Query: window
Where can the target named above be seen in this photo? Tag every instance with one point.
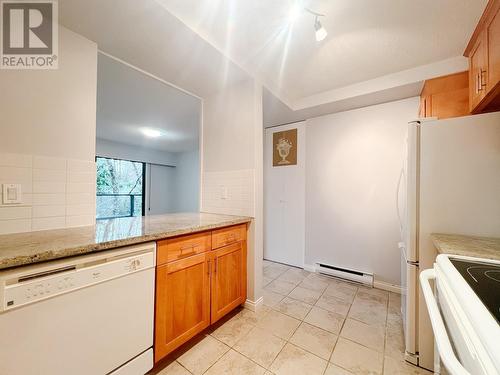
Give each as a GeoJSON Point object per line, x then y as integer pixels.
{"type": "Point", "coordinates": [120, 188]}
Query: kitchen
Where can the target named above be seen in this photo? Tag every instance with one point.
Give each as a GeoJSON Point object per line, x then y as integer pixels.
{"type": "Point", "coordinates": [272, 214]}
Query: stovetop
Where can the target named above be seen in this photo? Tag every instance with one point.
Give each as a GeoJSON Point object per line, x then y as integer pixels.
{"type": "Point", "coordinates": [484, 279]}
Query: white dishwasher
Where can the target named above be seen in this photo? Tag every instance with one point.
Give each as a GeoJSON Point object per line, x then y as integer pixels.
{"type": "Point", "coordinates": [88, 315]}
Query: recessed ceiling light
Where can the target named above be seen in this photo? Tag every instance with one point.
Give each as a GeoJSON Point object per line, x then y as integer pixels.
{"type": "Point", "coordinates": [151, 133]}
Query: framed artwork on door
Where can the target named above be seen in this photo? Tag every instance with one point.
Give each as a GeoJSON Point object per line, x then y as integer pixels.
{"type": "Point", "coordinates": [285, 148]}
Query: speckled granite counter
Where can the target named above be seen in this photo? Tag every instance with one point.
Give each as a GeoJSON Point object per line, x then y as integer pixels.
{"type": "Point", "coordinates": [480, 247]}
{"type": "Point", "coordinates": [33, 247]}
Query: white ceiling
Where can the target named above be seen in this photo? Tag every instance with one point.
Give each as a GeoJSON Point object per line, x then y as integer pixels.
{"type": "Point", "coordinates": [128, 100]}
{"type": "Point", "coordinates": [367, 38]}
{"type": "Point", "coordinates": [144, 34]}
{"type": "Point", "coordinates": [376, 50]}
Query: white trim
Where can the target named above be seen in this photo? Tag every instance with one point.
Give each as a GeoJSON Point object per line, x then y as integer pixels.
{"type": "Point", "coordinates": [389, 81]}
{"type": "Point", "coordinates": [201, 150]}
{"type": "Point", "coordinates": [387, 286]}
{"type": "Point", "coordinates": [149, 74]}
{"type": "Point", "coordinates": [254, 305]}
{"type": "Point", "coordinates": [310, 267]}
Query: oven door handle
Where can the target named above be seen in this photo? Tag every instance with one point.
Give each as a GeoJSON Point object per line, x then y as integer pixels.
{"type": "Point", "coordinates": [445, 349]}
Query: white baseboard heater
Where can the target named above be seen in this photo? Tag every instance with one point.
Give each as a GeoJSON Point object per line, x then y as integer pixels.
{"type": "Point", "coordinates": [345, 273]}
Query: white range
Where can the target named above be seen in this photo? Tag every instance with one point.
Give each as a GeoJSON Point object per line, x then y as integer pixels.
{"type": "Point", "coordinates": [464, 309]}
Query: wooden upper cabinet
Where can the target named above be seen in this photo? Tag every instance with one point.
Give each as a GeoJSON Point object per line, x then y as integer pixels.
{"type": "Point", "coordinates": [182, 302]}
{"type": "Point", "coordinates": [493, 40]}
{"type": "Point", "coordinates": [446, 96]}
{"type": "Point", "coordinates": [228, 279]}
{"type": "Point", "coordinates": [477, 73]}
{"type": "Point", "coordinates": [483, 52]}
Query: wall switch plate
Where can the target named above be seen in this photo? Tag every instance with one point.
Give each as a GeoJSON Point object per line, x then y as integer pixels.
{"type": "Point", "coordinates": [12, 194]}
{"type": "Point", "coordinates": [223, 192]}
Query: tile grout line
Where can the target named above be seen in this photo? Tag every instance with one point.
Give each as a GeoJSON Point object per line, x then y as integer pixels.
{"type": "Point", "coordinates": [301, 321]}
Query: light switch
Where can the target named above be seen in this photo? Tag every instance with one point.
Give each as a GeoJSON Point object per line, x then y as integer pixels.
{"type": "Point", "coordinates": [12, 194]}
{"type": "Point", "coordinates": [223, 192]}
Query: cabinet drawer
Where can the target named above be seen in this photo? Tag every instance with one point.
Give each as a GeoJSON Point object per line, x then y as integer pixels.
{"type": "Point", "coordinates": [226, 236]}
{"type": "Point", "coordinates": [184, 246]}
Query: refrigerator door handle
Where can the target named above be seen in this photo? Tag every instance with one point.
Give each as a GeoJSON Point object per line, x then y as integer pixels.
{"type": "Point", "coordinates": [443, 343]}
{"type": "Point", "coordinates": [401, 175]}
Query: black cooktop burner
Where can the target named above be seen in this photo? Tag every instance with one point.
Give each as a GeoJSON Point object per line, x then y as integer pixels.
{"type": "Point", "coordinates": [484, 279]}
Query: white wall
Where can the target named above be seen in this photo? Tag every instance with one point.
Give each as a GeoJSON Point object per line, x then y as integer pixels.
{"type": "Point", "coordinates": [52, 112]}
{"type": "Point", "coordinates": [117, 150]}
{"type": "Point", "coordinates": [353, 163]}
{"type": "Point", "coordinates": [188, 181]}
{"type": "Point", "coordinates": [47, 142]}
{"type": "Point", "coordinates": [174, 189]}
{"type": "Point", "coordinates": [232, 164]}
{"type": "Point", "coordinates": [161, 193]}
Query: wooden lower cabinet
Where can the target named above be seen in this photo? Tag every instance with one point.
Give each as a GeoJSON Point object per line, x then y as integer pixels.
{"type": "Point", "coordinates": [182, 302]}
{"type": "Point", "coordinates": [195, 291]}
{"type": "Point", "coordinates": [228, 279]}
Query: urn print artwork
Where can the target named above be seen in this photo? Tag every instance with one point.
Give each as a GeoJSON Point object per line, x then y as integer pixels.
{"type": "Point", "coordinates": [285, 148]}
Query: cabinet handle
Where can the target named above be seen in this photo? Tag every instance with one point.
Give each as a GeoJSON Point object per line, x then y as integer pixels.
{"type": "Point", "coordinates": [215, 265]}
{"type": "Point", "coordinates": [192, 252]}
{"type": "Point", "coordinates": [482, 73]}
{"type": "Point", "coordinates": [480, 85]}
{"type": "Point", "coordinates": [191, 246]}
{"type": "Point", "coordinates": [209, 266]}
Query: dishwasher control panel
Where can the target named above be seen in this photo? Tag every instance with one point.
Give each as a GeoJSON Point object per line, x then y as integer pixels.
{"type": "Point", "coordinates": [38, 286]}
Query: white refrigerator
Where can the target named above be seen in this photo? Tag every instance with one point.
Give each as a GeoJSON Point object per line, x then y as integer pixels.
{"type": "Point", "coordinates": [450, 183]}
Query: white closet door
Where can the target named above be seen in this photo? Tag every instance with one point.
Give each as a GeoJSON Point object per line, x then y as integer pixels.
{"type": "Point", "coordinates": [284, 202]}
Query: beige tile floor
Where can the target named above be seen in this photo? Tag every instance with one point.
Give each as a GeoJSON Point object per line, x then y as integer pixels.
{"type": "Point", "coordinates": [309, 324]}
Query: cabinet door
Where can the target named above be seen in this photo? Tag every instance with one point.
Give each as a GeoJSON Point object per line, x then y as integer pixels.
{"type": "Point", "coordinates": [228, 279]}
{"type": "Point", "coordinates": [477, 72]}
{"type": "Point", "coordinates": [493, 35]}
{"type": "Point", "coordinates": [425, 106]}
{"type": "Point", "coordinates": [182, 302]}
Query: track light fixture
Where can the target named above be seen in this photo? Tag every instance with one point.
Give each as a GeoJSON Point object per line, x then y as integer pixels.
{"type": "Point", "coordinates": [321, 32]}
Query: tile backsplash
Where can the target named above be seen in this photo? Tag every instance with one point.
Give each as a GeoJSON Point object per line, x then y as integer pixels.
{"type": "Point", "coordinates": [229, 192]}
{"type": "Point", "coordinates": [57, 193]}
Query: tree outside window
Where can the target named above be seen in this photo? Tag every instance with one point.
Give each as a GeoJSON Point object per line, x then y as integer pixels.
{"type": "Point", "coordinates": [120, 188]}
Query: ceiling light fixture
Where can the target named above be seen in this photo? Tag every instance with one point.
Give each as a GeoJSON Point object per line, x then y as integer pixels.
{"type": "Point", "coordinates": [321, 32]}
{"type": "Point", "coordinates": [151, 133]}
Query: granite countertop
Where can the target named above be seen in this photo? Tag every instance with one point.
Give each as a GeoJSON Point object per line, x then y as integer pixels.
{"type": "Point", "coordinates": [33, 247]}
{"type": "Point", "coordinates": [456, 244]}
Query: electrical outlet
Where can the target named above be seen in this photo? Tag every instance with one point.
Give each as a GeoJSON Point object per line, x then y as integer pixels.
{"type": "Point", "coordinates": [12, 194]}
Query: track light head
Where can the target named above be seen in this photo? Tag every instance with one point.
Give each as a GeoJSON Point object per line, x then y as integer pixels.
{"type": "Point", "coordinates": [321, 32]}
